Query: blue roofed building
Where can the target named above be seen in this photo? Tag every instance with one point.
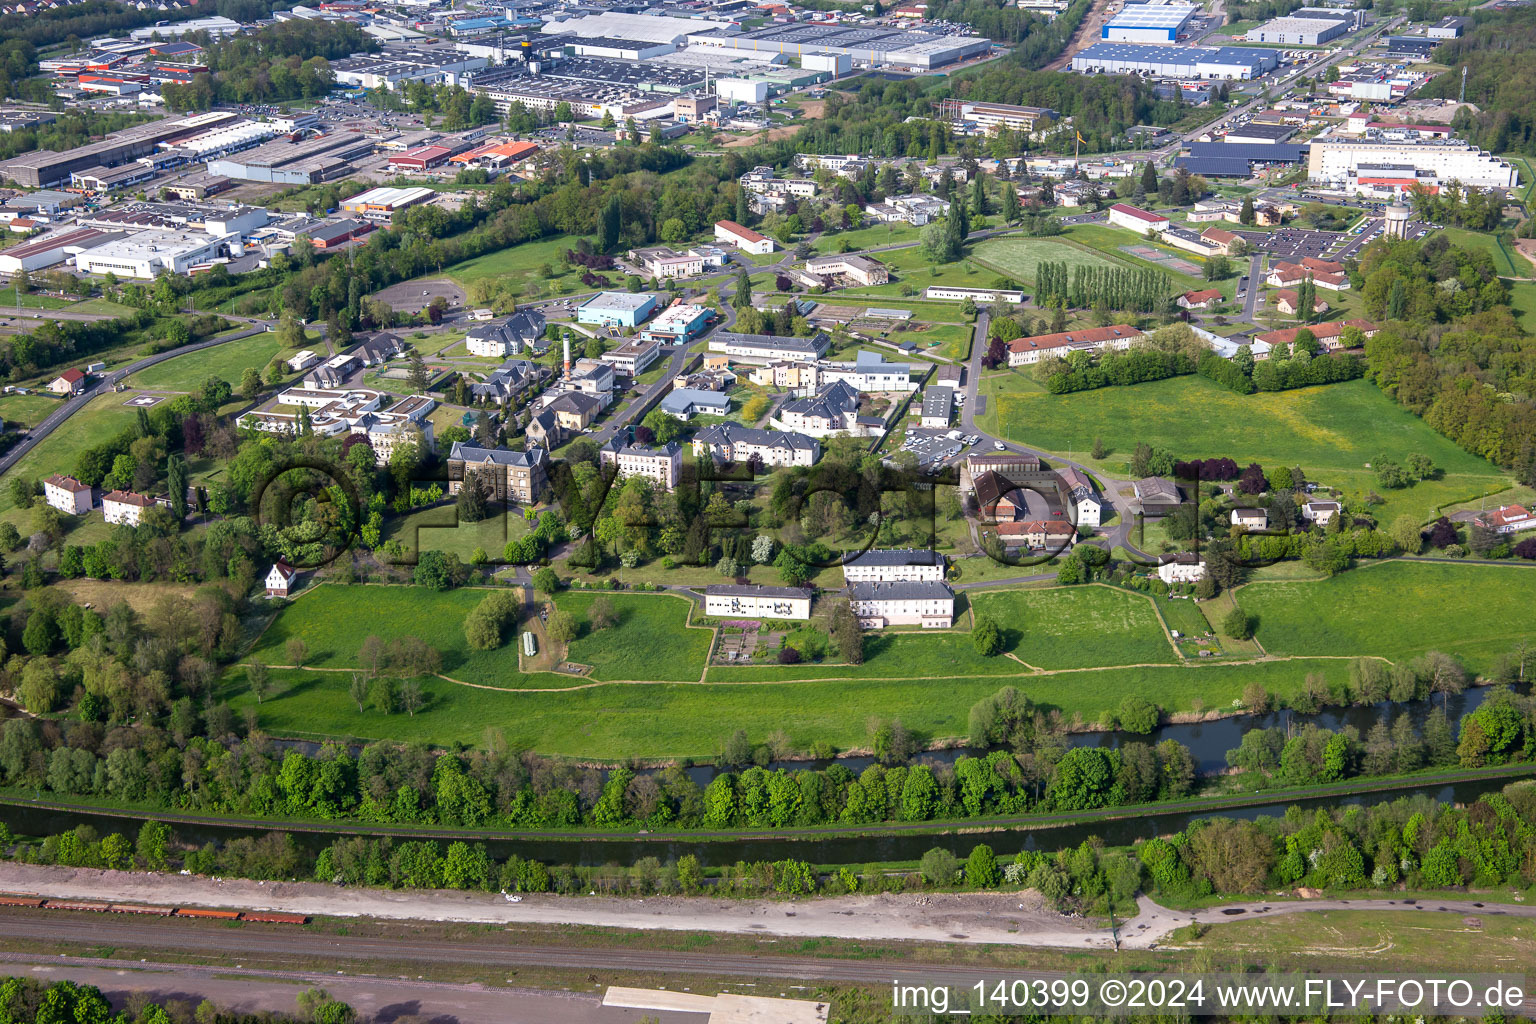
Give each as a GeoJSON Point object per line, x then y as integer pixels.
{"type": "Point", "coordinates": [1202, 62]}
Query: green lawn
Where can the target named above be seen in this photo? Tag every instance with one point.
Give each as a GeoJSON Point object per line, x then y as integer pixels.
{"type": "Point", "coordinates": [27, 410]}
{"type": "Point", "coordinates": [1018, 257]}
{"type": "Point", "coordinates": [651, 640]}
{"type": "Point", "coordinates": [56, 453]}
{"type": "Point", "coordinates": [439, 529]}
{"type": "Point", "coordinates": [868, 238]}
{"type": "Point", "coordinates": [1507, 262]}
{"type": "Point", "coordinates": [1332, 432]}
{"type": "Point", "coordinates": [1077, 627]}
{"type": "Point", "coordinates": [1397, 610]}
{"type": "Point", "coordinates": [1523, 301]}
{"type": "Point", "coordinates": [518, 267]}
{"type": "Point", "coordinates": [952, 341]}
{"type": "Point", "coordinates": [334, 620]}
{"type": "Point", "coordinates": [106, 306]}
{"type": "Point", "coordinates": [227, 362]}
{"type": "Point", "coordinates": [31, 300]}
{"type": "Point", "coordinates": [618, 722]}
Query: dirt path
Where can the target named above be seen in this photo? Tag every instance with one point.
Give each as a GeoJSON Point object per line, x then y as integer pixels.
{"type": "Point", "coordinates": [1086, 34]}
{"type": "Point", "coordinates": [1017, 918]}
{"type": "Point", "coordinates": [1527, 248]}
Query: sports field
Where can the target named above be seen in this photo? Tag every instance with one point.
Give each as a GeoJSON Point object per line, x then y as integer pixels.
{"type": "Point", "coordinates": [1018, 257]}
{"type": "Point", "coordinates": [1397, 610]}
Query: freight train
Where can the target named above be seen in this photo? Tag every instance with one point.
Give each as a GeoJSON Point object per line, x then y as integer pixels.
{"type": "Point", "coordinates": [262, 916]}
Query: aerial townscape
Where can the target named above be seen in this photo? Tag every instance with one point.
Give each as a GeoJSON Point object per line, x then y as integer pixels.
{"type": "Point", "coordinates": [766, 511]}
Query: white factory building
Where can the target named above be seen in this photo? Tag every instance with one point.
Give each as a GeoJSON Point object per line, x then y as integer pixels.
{"type": "Point", "coordinates": [1148, 23]}
{"type": "Point", "coordinates": [145, 254]}
{"type": "Point", "coordinates": [1224, 62]}
{"type": "Point", "coordinates": [1339, 161]}
{"type": "Point", "coordinates": [1298, 30]}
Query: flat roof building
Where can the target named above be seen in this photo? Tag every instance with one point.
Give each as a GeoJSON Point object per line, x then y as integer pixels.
{"type": "Point", "coordinates": [1148, 23]}
{"type": "Point", "coordinates": [623, 309]}
{"type": "Point", "coordinates": [1224, 62]}
{"type": "Point", "coordinates": [146, 254]}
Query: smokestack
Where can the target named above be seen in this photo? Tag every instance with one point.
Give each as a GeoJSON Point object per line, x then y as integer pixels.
{"type": "Point", "coordinates": [567, 354]}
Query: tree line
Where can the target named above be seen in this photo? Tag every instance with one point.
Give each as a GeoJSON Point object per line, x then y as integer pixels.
{"type": "Point", "coordinates": [1083, 286]}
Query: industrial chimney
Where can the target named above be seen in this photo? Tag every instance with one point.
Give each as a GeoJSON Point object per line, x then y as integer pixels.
{"type": "Point", "coordinates": [567, 355]}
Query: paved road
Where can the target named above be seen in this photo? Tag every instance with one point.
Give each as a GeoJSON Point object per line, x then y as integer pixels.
{"type": "Point", "coordinates": [680, 356]}
{"type": "Point", "coordinates": [1118, 535]}
{"type": "Point", "coordinates": [1255, 283]}
{"type": "Point", "coordinates": [56, 419]}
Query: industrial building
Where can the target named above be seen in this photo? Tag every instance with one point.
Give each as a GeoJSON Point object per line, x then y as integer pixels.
{"type": "Point", "coordinates": [1428, 162]}
{"type": "Point", "coordinates": [296, 163]}
{"type": "Point", "coordinates": [1224, 62]}
{"type": "Point", "coordinates": [1411, 47]}
{"type": "Point", "coordinates": [380, 204]}
{"type": "Point", "coordinates": [146, 254]}
{"type": "Point", "coordinates": [1148, 23]}
{"type": "Point", "coordinates": [1307, 26]}
{"type": "Point", "coordinates": [1238, 160]}
{"type": "Point", "coordinates": [1448, 28]}
{"type": "Point", "coordinates": [394, 65]}
{"type": "Point", "coordinates": [872, 46]}
{"type": "Point", "coordinates": [48, 250]}
{"type": "Point", "coordinates": [622, 309]}
{"type": "Point", "coordinates": [217, 26]}
{"type": "Point", "coordinates": [990, 117]}
{"type": "Point", "coordinates": [42, 168]}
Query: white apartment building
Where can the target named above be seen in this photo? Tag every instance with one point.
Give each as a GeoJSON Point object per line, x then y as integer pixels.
{"type": "Point", "coordinates": [926, 603]}
{"type": "Point", "coordinates": [892, 565]}
{"type": "Point", "coordinates": [766, 348]}
{"type": "Point", "coordinates": [124, 507]}
{"type": "Point", "coordinates": [732, 600]}
{"type": "Point", "coordinates": [730, 442]}
{"type": "Point", "coordinates": [939, 291]}
{"type": "Point", "coordinates": [1027, 351]}
{"type": "Point", "coordinates": [67, 494]}
{"type": "Point", "coordinates": [633, 357]}
{"type": "Point", "coordinates": [662, 465]}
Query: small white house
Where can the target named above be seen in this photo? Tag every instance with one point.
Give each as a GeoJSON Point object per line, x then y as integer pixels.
{"type": "Point", "coordinates": [1320, 512]}
{"type": "Point", "coordinates": [70, 382]}
{"type": "Point", "coordinates": [756, 602]}
{"type": "Point", "coordinates": [1181, 569]}
{"type": "Point", "coordinates": [67, 494]}
{"type": "Point", "coordinates": [1250, 518]}
{"type": "Point", "coordinates": [280, 579]}
{"type": "Point", "coordinates": [303, 361]}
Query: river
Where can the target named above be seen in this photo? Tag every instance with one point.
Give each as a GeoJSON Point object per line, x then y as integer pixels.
{"type": "Point", "coordinates": [892, 846]}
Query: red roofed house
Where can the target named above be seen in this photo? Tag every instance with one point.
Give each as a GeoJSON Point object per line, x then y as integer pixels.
{"type": "Point", "coordinates": [1139, 221]}
{"type": "Point", "coordinates": [1025, 351]}
{"type": "Point", "coordinates": [70, 382]}
{"type": "Point", "coordinates": [280, 579]}
{"type": "Point", "coordinates": [1052, 534]}
{"type": "Point", "coordinates": [1508, 519]}
{"type": "Point", "coordinates": [67, 494]}
{"type": "Point", "coordinates": [1288, 302]}
{"type": "Point", "coordinates": [1200, 300]}
{"type": "Point", "coordinates": [1329, 336]}
{"type": "Point", "coordinates": [744, 239]}
{"type": "Point", "coordinates": [1221, 238]}
{"type": "Point", "coordinates": [1323, 273]}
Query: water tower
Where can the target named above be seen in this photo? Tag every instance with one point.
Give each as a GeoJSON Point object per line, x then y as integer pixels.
{"type": "Point", "coordinates": [1397, 221]}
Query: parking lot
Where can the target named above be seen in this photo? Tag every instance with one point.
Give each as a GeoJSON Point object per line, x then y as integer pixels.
{"type": "Point", "coordinates": [1293, 244]}
{"type": "Point", "coordinates": [937, 448]}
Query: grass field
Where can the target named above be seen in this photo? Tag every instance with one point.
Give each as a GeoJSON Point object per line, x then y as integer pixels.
{"type": "Point", "coordinates": [1506, 261]}
{"type": "Point", "coordinates": [868, 238]}
{"type": "Point", "coordinates": [106, 306]}
{"type": "Point", "coordinates": [1523, 301]}
{"type": "Point", "coordinates": [334, 620]}
{"type": "Point", "coordinates": [1397, 610]}
{"type": "Point", "coordinates": [651, 640]}
{"type": "Point", "coordinates": [618, 722]}
{"type": "Point", "coordinates": [31, 300]}
{"type": "Point", "coordinates": [227, 362]}
{"type": "Point", "coordinates": [1332, 432]}
{"type": "Point", "coordinates": [27, 410]}
{"type": "Point", "coordinates": [439, 529]}
{"type": "Point", "coordinates": [519, 267]}
{"type": "Point", "coordinates": [1073, 627]}
{"type": "Point", "coordinates": [57, 452]}
{"type": "Point", "coordinates": [1018, 257]}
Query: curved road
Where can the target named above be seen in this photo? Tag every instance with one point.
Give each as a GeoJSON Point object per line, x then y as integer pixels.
{"type": "Point", "coordinates": [56, 419]}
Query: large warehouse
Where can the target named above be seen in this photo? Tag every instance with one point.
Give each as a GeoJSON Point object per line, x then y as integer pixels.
{"type": "Point", "coordinates": [295, 163]}
{"type": "Point", "coordinates": [44, 167]}
{"type": "Point", "coordinates": [871, 45]}
{"type": "Point", "coordinates": [146, 254]}
{"type": "Point", "coordinates": [1232, 62]}
{"type": "Point", "coordinates": [1430, 162]}
{"type": "Point", "coordinates": [1238, 160]}
{"type": "Point", "coordinates": [1148, 23]}
{"type": "Point", "coordinates": [1294, 31]}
